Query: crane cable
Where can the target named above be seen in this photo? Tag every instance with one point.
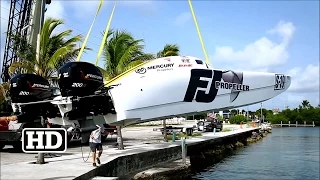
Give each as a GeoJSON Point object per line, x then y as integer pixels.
{"type": "Point", "coordinates": [87, 36]}
{"type": "Point", "coordinates": [199, 34]}
{"type": "Point", "coordinates": [105, 33]}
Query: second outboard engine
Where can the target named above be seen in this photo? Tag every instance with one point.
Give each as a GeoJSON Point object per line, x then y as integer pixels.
{"type": "Point", "coordinates": [84, 83]}
{"type": "Point", "coordinates": [29, 89]}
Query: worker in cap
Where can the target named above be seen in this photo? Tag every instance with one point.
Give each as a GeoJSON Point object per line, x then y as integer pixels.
{"type": "Point", "coordinates": [95, 143]}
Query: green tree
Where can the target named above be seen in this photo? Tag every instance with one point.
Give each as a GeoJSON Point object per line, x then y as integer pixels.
{"type": "Point", "coordinates": [55, 50]}
{"type": "Point", "coordinates": [237, 119]}
{"type": "Point", "coordinates": [233, 112]}
{"type": "Point", "coordinates": [169, 50]}
{"type": "Point", "coordinates": [4, 88]}
{"type": "Point", "coordinates": [220, 118]}
{"type": "Point", "coordinates": [122, 52]}
{"type": "Point", "coordinates": [305, 112]}
{"type": "Point", "coordinates": [305, 104]}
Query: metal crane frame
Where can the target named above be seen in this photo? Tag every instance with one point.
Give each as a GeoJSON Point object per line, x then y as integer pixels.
{"type": "Point", "coordinates": [19, 18]}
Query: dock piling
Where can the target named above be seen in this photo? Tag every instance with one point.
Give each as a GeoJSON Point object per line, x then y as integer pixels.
{"type": "Point", "coordinates": [183, 149]}
{"type": "Point", "coordinates": [173, 136]}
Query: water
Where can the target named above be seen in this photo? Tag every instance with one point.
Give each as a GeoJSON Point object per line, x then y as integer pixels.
{"type": "Point", "coordinates": [287, 153]}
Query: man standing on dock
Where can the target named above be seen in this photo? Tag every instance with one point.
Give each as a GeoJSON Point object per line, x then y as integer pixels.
{"type": "Point", "coordinates": [95, 143]}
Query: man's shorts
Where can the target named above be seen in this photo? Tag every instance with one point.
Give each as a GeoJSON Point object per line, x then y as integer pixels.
{"type": "Point", "coordinates": [95, 146]}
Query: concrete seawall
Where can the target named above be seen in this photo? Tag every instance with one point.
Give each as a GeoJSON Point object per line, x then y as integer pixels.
{"type": "Point", "coordinates": [124, 165]}
{"type": "Point", "coordinates": [120, 163]}
{"type": "Point", "coordinates": [133, 162]}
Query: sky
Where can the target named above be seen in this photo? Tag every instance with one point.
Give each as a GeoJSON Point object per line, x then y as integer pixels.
{"type": "Point", "coordinates": [264, 36]}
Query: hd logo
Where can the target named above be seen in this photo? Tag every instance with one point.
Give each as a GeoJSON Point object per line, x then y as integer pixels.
{"type": "Point", "coordinates": [44, 140]}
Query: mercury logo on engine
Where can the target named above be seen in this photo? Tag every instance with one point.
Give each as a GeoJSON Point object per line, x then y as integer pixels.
{"type": "Point", "coordinates": [93, 76]}
{"type": "Point", "coordinates": [40, 86]}
{"type": "Point", "coordinates": [214, 77]}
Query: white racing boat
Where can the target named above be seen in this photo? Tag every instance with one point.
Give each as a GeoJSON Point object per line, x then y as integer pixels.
{"type": "Point", "coordinates": [181, 85]}
{"type": "Point", "coordinates": [155, 90]}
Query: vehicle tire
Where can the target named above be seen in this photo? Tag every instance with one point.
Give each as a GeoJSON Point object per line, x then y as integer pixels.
{"type": "Point", "coordinates": [190, 132]}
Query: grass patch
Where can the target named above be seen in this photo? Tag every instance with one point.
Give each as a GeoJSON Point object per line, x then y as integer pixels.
{"type": "Point", "coordinates": [180, 135]}
{"type": "Point", "coordinates": [226, 130]}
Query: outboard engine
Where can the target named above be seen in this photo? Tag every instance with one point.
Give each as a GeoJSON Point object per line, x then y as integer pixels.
{"type": "Point", "coordinates": [29, 89]}
{"type": "Point", "coordinates": [84, 83]}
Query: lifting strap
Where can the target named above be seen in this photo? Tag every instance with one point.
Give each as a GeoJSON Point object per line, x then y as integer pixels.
{"type": "Point", "coordinates": [199, 34]}
{"type": "Point", "coordinates": [105, 33]}
{"type": "Point", "coordinates": [86, 39]}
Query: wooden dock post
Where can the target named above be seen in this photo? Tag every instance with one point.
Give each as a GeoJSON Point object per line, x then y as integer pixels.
{"type": "Point", "coordinates": [313, 123]}
{"type": "Point", "coordinates": [305, 123]}
{"type": "Point", "coordinates": [289, 124]}
{"type": "Point", "coordinates": [296, 123]}
{"type": "Point", "coordinates": [281, 123]}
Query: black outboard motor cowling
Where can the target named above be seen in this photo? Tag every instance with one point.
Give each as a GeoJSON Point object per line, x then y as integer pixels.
{"type": "Point", "coordinates": [79, 79]}
{"type": "Point", "coordinates": [82, 80]}
{"type": "Point", "coordinates": [29, 88]}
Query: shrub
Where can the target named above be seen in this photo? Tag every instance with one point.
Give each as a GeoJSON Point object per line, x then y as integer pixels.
{"type": "Point", "coordinates": [237, 119]}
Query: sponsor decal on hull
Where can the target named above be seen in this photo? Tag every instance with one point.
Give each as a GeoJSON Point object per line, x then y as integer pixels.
{"type": "Point", "coordinates": [231, 80]}
{"type": "Point", "coordinates": [158, 67]}
{"type": "Point", "coordinates": [185, 60]}
{"type": "Point", "coordinates": [279, 82]}
{"type": "Point", "coordinates": [185, 65]}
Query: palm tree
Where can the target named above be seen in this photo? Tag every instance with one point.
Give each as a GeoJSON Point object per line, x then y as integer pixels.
{"type": "Point", "coordinates": [169, 50]}
{"type": "Point", "coordinates": [55, 50]}
{"type": "Point", "coordinates": [4, 88]}
{"type": "Point", "coordinates": [122, 52]}
{"type": "Point", "coordinates": [305, 104]}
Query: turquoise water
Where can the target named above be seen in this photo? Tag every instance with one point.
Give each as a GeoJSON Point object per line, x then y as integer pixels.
{"type": "Point", "coordinates": [288, 153]}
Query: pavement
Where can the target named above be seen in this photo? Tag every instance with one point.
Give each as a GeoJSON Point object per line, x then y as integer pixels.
{"type": "Point", "coordinates": [72, 164]}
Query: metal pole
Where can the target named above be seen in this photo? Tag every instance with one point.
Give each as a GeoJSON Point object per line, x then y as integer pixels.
{"type": "Point", "coordinates": [261, 113]}
{"type": "Point", "coordinates": [183, 149]}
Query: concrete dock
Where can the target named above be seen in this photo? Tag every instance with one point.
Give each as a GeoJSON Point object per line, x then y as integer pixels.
{"type": "Point", "coordinates": [115, 163]}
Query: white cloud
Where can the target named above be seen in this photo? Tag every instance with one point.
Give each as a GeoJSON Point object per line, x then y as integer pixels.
{"type": "Point", "coordinates": [182, 18]}
{"type": "Point", "coordinates": [261, 54]}
{"type": "Point", "coordinates": [55, 10]}
{"type": "Point", "coordinates": [5, 7]}
{"type": "Point", "coordinates": [304, 80]}
{"type": "Point", "coordinates": [84, 9]}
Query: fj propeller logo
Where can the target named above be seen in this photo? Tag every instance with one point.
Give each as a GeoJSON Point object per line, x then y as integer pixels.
{"type": "Point", "coordinates": [228, 80]}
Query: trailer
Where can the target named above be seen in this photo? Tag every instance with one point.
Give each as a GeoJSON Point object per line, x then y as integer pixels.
{"type": "Point", "coordinates": [171, 129]}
